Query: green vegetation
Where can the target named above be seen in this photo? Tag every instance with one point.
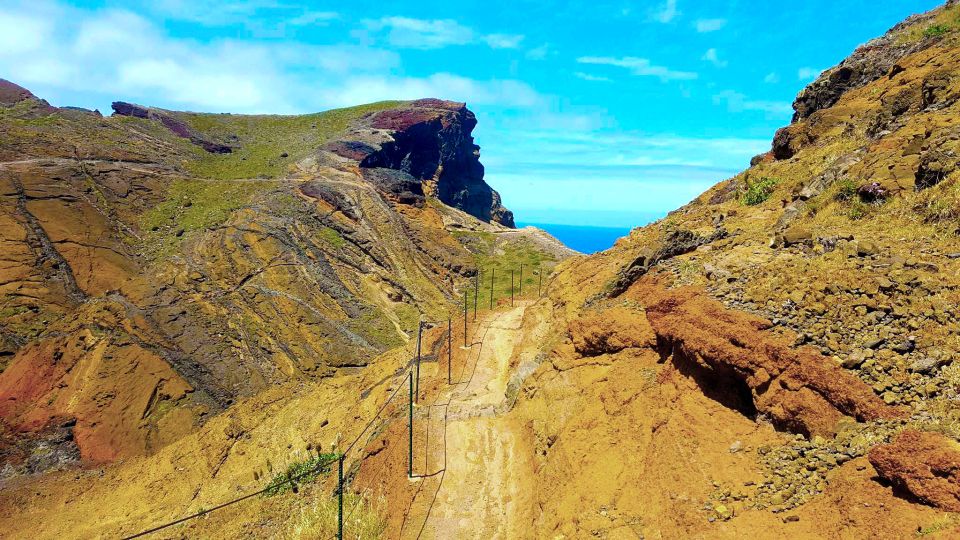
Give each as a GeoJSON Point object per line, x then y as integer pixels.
{"type": "Point", "coordinates": [758, 191]}
{"type": "Point", "coordinates": [318, 519]}
{"type": "Point", "coordinates": [266, 145]}
{"type": "Point", "coordinates": [191, 205]}
{"type": "Point", "coordinates": [846, 189]}
{"type": "Point", "coordinates": [300, 472]}
{"type": "Point", "coordinates": [332, 237]}
{"type": "Point", "coordinates": [945, 22]}
{"type": "Point", "coordinates": [936, 30]}
{"type": "Point", "coordinates": [858, 210]}
{"type": "Point", "coordinates": [496, 256]}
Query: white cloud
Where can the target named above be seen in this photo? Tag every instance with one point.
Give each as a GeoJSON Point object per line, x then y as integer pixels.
{"type": "Point", "coordinates": [666, 12]}
{"type": "Point", "coordinates": [711, 56]}
{"type": "Point", "coordinates": [772, 78]}
{"type": "Point", "coordinates": [737, 102]}
{"type": "Point", "coordinates": [366, 89]}
{"type": "Point", "coordinates": [503, 41]}
{"type": "Point", "coordinates": [710, 25]}
{"type": "Point", "coordinates": [640, 67]}
{"type": "Point", "coordinates": [21, 34]}
{"type": "Point", "coordinates": [112, 54]}
{"type": "Point", "coordinates": [410, 33]}
{"type": "Point", "coordinates": [539, 53]}
{"type": "Point", "coordinates": [315, 18]}
{"type": "Point", "coordinates": [808, 73]}
{"type": "Point", "coordinates": [589, 77]}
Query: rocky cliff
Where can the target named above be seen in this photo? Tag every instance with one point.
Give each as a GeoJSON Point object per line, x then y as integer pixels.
{"type": "Point", "coordinates": [160, 265]}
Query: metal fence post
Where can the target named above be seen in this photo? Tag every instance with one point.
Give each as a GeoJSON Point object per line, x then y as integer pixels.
{"type": "Point", "coordinates": [493, 273]}
{"type": "Point", "coordinates": [449, 349]}
{"type": "Point", "coordinates": [410, 431]}
{"type": "Point", "coordinates": [340, 502]}
{"type": "Point", "coordinates": [465, 318]}
{"type": "Point", "coordinates": [521, 279]}
{"type": "Point", "coordinates": [476, 294]}
{"type": "Point", "coordinates": [539, 283]}
{"type": "Point", "coordinates": [511, 288]}
{"type": "Point", "coordinates": [419, 335]}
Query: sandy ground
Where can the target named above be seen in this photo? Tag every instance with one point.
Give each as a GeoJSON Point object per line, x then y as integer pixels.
{"type": "Point", "coordinates": [474, 454]}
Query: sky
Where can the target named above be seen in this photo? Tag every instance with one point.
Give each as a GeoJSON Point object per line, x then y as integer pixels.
{"type": "Point", "coordinates": [603, 113]}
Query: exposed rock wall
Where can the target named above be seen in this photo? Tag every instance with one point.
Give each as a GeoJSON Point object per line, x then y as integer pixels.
{"type": "Point", "coordinates": [431, 142]}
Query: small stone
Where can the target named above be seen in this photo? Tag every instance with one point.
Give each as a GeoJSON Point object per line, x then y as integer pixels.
{"type": "Point", "coordinates": [793, 518]}
{"type": "Point", "coordinates": [736, 447]}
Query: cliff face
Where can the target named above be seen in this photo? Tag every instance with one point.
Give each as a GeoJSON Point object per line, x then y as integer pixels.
{"type": "Point", "coordinates": [431, 142]}
{"type": "Point", "coordinates": [161, 265]}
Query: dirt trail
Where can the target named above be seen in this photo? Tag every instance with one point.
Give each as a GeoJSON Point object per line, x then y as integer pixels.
{"type": "Point", "coordinates": [471, 485]}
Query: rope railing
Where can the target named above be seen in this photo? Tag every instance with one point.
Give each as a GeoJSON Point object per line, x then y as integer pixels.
{"type": "Point", "coordinates": [411, 369]}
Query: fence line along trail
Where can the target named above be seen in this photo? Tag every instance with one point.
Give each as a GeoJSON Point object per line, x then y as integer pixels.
{"type": "Point", "coordinates": [484, 455]}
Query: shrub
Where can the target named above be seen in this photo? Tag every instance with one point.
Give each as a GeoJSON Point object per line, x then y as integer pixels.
{"type": "Point", "coordinates": [300, 472]}
{"type": "Point", "coordinates": [936, 30]}
{"type": "Point", "coordinates": [846, 189]}
{"type": "Point", "coordinates": [759, 191]}
{"type": "Point", "coordinates": [857, 211]}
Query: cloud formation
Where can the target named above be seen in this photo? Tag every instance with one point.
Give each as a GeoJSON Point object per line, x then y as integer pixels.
{"type": "Point", "coordinates": [410, 33]}
{"type": "Point", "coordinates": [712, 57]}
{"type": "Point", "coordinates": [641, 67]}
{"type": "Point", "coordinates": [709, 25]}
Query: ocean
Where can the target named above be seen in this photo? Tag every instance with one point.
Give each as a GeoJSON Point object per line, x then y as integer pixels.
{"type": "Point", "coordinates": [584, 239]}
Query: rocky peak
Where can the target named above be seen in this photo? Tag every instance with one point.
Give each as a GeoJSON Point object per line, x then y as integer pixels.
{"type": "Point", "coordinates": [429, 143]}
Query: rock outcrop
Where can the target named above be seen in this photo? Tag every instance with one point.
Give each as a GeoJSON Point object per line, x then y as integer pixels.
{"type": "Point", "coordinates": [430, 141]}
{"type": "Point", "coordinates": [924, 465]}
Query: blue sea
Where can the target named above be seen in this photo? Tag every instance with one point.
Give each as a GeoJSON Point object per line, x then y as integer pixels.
{"type": "Point", "coordinates": [583, 238]}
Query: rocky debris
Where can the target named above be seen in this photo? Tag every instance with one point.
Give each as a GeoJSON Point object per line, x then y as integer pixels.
{"type": "Point", "coordinates": [797, 471]}
{"type": "Point", "coordinates": [178, 127]}
{"type": "Point", "coordinates": [755, 370]}
{"type": "Point", "coordinates": [396, 185]}
{"type": "Point", "coordinates": [609, 331]}
{"type": "Point", "coordinates": [49, 447]}
{"type": "Point", "coordinates": [924, 465]}
{"type": "Point", "coordinates": [676, 242]}
{"type": "Point", "coordinates": [869, 62]}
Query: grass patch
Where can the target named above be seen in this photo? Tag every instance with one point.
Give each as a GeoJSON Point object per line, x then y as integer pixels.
{"type": "Point", "coordinates": [265, 146]}
{"type": "Point", "coordinates": [191, 205]}
{"type": "Point", "coordinates": [758, 191]}
{"type": "Point", "coordinates": [300, 472]}
{"type": "Point", "coordinates": [936, 30]}
{"type": "Point", "coordinates": [332, 237]}
{"type": "Point", "coordinates": [846, 190]}
{"type": "Point", "coordinates": [858, 210]}
{"type": "Point", "coordinates": [362, 519]}
{"type": "Point", "coordinates": [496, 256]}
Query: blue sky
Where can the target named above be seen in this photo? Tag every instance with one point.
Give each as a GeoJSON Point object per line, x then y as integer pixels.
{"type": "Point", "coordinates": [596, 113]}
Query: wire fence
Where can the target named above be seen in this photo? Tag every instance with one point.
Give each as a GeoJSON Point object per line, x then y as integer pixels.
{"type": "Point", "coordinates": [409, 373]}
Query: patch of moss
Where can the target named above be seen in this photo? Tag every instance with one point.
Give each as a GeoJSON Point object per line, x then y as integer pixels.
{"type": "Point", "coordinates": [332, 237]}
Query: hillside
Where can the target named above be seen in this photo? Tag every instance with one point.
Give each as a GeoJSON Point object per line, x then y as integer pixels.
{"type": "Point", "coordinates": [161, 265]}
{"type": "Point", "coordinates": [212, 301]}
{"type": "Point", "coordinates": [777, 357]}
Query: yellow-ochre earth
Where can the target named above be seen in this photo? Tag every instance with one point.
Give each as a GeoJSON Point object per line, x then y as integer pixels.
{"type": "Point", "coordinates": [195, 306]}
